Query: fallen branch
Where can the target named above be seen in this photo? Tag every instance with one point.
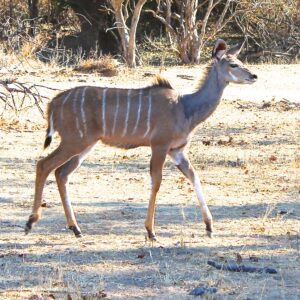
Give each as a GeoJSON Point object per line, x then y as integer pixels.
{"type": "Point", "coordinates": [14, 89]}
{"type": "Point", "coordinates": [241, 268]}
{"type": "Point", "coordinates": [187, 77]}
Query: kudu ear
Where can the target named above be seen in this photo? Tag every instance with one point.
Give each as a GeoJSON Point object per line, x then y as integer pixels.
{"type": "Point", "coordinates": [219, 49]}
{"type": "Point", "coordinates": [235, 50]}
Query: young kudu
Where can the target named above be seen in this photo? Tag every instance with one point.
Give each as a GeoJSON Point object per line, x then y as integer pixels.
{"type": "Point", "coordinates": [155, 116]}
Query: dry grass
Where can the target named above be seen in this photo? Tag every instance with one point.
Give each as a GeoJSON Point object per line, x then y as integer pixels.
{"type": "Point", "coordinates": [105, 65]}
{"type": "Point", "coordinates": [32, 45]}
{"type": "Point", "coordinates": [247, 155]}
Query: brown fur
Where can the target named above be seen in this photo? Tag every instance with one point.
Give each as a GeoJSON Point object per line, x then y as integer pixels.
{"type": "Point", "coordinates": [156, 116]}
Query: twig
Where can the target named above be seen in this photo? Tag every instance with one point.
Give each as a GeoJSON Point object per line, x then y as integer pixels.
{"type": "Point", "coordinates": [14, 88]}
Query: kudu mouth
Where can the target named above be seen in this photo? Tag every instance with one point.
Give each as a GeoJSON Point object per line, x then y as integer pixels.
{"type": "Point", "coordinates": [252, 78]}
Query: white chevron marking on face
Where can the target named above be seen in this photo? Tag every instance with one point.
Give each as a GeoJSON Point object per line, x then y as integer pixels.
{"type": "Point", "coordinates": [234, 78]}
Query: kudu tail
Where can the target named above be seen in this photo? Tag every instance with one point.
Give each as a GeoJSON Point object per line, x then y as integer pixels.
{"type": "Point", "coordinates": [50, 131]}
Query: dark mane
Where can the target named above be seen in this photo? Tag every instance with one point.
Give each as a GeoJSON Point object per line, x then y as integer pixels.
{"type": "Point", "coordinates": [159, 81]}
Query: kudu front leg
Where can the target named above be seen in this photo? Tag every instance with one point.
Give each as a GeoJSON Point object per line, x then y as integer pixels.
{"type": "Point", "coordinates": [156, 165]}
{"type": "Point", "coordinates": [185, 166]}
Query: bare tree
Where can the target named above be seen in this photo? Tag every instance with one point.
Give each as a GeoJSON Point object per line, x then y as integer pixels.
{"type": "Point", "coordinates": [127, 34]}
{"type": "Point", "coordinates": [187, 22]}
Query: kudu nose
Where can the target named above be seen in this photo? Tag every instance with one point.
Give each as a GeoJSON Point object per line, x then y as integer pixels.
{"type": "Point", "coordinates": [253, 76]}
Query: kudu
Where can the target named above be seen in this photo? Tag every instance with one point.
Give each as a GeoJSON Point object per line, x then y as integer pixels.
{"type": "Point", "coordinates": [155, 116]}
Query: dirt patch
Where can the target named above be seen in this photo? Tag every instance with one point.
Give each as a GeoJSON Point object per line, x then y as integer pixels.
{"type": "Point", "coordinates": [247, 156]}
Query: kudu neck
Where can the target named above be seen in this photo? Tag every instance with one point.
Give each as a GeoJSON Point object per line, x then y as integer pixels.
{"type": "Point", "coordinates": [199, 105]}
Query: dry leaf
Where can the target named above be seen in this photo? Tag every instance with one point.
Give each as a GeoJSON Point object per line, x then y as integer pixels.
{"type": "Point", "coordinates": [239, 258]}
{"type": "Point", "coordinates": [190, 190]}
{"type": "Point", "coordinates": [253, 258]}
{"type": "Point", "coordinates": [141, 256]}
{"type": "Point", "coordinates": [181, 179]}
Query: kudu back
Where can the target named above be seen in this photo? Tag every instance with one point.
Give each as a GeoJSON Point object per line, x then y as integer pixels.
{"type": "Point", "coordinates": [156, 116]}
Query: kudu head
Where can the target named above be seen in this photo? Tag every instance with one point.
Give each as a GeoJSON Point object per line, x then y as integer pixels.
{"type": "Point", "coordinates": [230, 69]}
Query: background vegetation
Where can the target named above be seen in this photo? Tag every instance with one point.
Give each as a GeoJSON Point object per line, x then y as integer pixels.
{"type": "Point", "coordinates": [148, 31]}
{"type": "Point", "coordinates": [247, 154]}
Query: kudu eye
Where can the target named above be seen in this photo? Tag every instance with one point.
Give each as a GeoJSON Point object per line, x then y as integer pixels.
{"type": "Point", "coordinates": [233, 65]}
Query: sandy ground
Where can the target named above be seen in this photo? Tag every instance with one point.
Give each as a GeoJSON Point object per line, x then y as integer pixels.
{"type": "Point", "coordinates": [248, 158]}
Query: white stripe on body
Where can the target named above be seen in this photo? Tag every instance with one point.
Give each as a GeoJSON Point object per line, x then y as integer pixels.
{"type": "Point", "coordinates": [149, 114]}
{"type": "Point", "coordinates": [127, 112]}
{"type": "Point", "coordinates": [103, 111]}
{"type": "Point", "coordinates": [138, 112]}
{"type": "Point", "coordinates": [83, 118]}
{"type": "Point", "coordinates": [63, 103]}
{"type": "Point", "coordinates": [75, 113]}
{"type": "Point", "coordinates": [116, 112]}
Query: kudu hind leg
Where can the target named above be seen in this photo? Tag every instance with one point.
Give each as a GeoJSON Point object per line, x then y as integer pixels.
{"type": "Point", "coordinates": [185, 166]}
{"type": "Point", "coordinates": [44, 166]}
{"type": "Point", "coordinates": [62, 175]}
{"type": "Point", "coordinates": [156, 164]}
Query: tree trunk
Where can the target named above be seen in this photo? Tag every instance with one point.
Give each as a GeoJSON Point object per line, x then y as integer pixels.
{"type": "Point", "coordinates": [127, 35]}
{"type": "Point", "coordinates": [121, 25]}
{"type": "Point", "coordinates": [33, 14]}
{"type": "Point", "coordinates": [131, 57]}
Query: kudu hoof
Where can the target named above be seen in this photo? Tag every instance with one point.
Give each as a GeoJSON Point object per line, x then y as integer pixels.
{"type": "Point", "coordinates": [209, 229]}
{"type": "Point", "coordinates": [28, 225]}
{"type": "Point", "coordinates": [209, 234]}
{"type": "Point", "coordinates": [76, 231]}
{"type": "Point", "coordinates": [151, 236]}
